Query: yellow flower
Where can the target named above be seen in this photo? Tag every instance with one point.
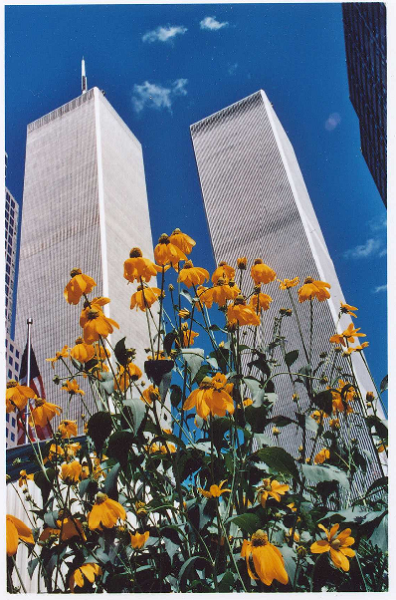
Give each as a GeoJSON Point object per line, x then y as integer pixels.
{"type": "Point", "coordinates": [350, 333]}
{"type": "Point", "coordinates": [267, 559]}
{"type": "Point", "coordinates": [242, 314]}
{"type": "Point", "coordinates": [313, 289]}
{"type": "Point", "coordinates": [67, 428]}
{"type": "Point", "coordinates": [165, 252]}
{"type": "Point", "coordinates": [337, 339]}
{"type": "Point", "coordinates": [126, 374]}
{"type": "Point", "coordinates": [23, 477]}
{"type": "Point", "coordinates": [17, 395]}
{"type": "Point", "coordinates": [219, 293]}
{"type": "Point", "coordinates": [292, 507]}
{"type": "Point", "coordinates": [184, 313]}
{"type": "Point", "coordinates": [64, 353]}
{"type": "Point", "coordinates": [211, 397]}
{"type": "Point", "coordinates": [382, 448]}
{"type": "Point", "coordinates": [140, 508]}
{"type": "Point", "coordinates": [321, 456]}
{"type": "Point", "coordinates": [137, 267]}
{"type": "Point", "coordinates": [151, 394]}
{"type": "Point", "coordinates": [43, 412]}
{"type": "Point", "coordinates": [286, 284]}
{"type": "Point", "coordinates": [190, 275]}
{"type": "Point", "coordinates": [96, 324]}
{"type": "Point", "coordinates": [72, 449]}
{"type": "Point", "coordinates": [340, 404]}
{"type": "Point", "coordinates": [78, 285]}
{"type": "Point", "coordinates": [273, 489]}
{"type": "Point", "coordinates": [183, 241]}
{"type": "Point", "coordinates": [144, 297]}
{"type": "Point", "coordinates": [347, 310]}
{"type": "Point", "coordinates": [88, 570]}
{"type": "Point", "coordinates": [55, 452]}
{"type": "Point", "coordinates": [262, 273]}
{"type": "Point", "coordinates": [139, 539]}
{"type": "Point", "coordinates": [296, 535]}
{"type": "Point", "coordinates": [242, 263]}
{"type": "Point", "coordinates": [188, 336]}
{"type": "Point", "coordinates": [318, 416]}
{"type": "Point", "coordinates": [224, 272]}
{"type": "Point", "coordinates": [335, 423]}
{"type": "Point", "coordinates": [262, 301]}
{"type": "Point", "coordinates": [71, 386]}
{"type": "Point", "coordinates": [105, 512]}
{"type": "Point", "coordinates": [16, 530]}
{"type": "Point", "coordinates": [71, 472]}
{"type": "Point", "coordinates": [82, 352]}
{"type": "Point", "coordinates": [247, 402]}
{"type": "Point", "coordinates": [215, 491]}
{"type": "Point", "coordinates": [337, 546]}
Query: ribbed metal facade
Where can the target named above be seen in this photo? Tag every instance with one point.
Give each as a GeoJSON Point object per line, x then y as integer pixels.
{"type": "Point", "coordinates": [85, 206]}
{"type": "Point", "coordinates": [11, 240]}
{"type": "Point", "coordinates": [365, 44]}
{"type": "Point", "coordinates": [257, 206]}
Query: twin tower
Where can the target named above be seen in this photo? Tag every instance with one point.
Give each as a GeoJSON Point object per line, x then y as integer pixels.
{"type": "Point", "coordinates": [85, 205]}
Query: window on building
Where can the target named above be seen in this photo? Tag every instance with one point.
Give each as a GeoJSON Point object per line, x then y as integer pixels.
{"type": "Point", "coordinates": [6, 432]}
{"type": "Point", "coordinates": [17, 353]}
{"type": "Point", "coordinates": [10, 361]}
{"type": "Point", "coordinates": [12, 437]}
{"type": "Point", "coordinates": [13, 421]}
{"type": "Point", "coordinates": [9, 374]}
{"type": "Point", "coordinates": [7, 417]}
{"type": "Point", "coordinates": [8, 269]}
{"type": "Point", "coordinates": [16, 366]}
{"type": "Point", "coordinates": [11, 348]}
{"type": "Point", "coordinates": [7, 278]}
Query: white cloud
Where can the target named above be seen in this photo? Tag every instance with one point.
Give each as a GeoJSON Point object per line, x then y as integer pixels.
{"type": "Point", "coordinates": [378, 223]}
{"type": "Point", "coordinates": [380, 288]}
{"type": "Point", "coordinates": [232, 68]}
{"type": "Point", "coordinates": [152, 95]}
{"type": "Point", "coordinates": [383, 252]}
{"type": "Point", "coordinates": [365, 250]}
{"type": "Point", "coordinates": [211, 24]}
{"type": "Point", "coordinates": [164, 34]}
{"type": "Point", "coordinates": [332, 121]}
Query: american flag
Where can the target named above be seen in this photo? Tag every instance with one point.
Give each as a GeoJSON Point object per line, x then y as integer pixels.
{"type": "Point", "coordinates": [37, 385]}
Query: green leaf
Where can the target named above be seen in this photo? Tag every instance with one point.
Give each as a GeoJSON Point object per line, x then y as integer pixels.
{"type": "Point", "coordinates": [194, 359]}
{"type": "Point", "coordinates": [168, 341]}
{"type": "Point", "coordinates": [289, 556]}
{"type": "Point", "coordinates": [278, 460]}
{"type": "Point", "coordinates": [106, 382]}
{"type": "Point", "coordinates": [119, 445]}
{"type": "Point", "coordinates": [381, 427]}
{"type": "Point", "coordinates": [157, 369]}
{"type": "Point", "coordinates": [32, 564]}
{"type": "Point", "coordinates": [324, 401]}
{"type": "Point", "coordinates": [186, 295]}
{"type": "Point", "coordinates": [189, 567]}
{"type": "Point", "coordinates": [203, 372]}
{"type": "Point", "coordinates": [50, 518]}
{"type": "Point", "coordinates": [138, 410]}
{"type": "Point", "coordinates": [316, 474]}
{"type": "Point", "coordinates": [121, 353]}
{"type": "Point", "coordinates": [110, 486]}
{"type": "Point", "coordinates": [256, 389]}
{"type": "Point", "coordinates": [248, 522]}
{"type": "Point", "coordinates": [44, 482]}
{"type": "Point", "coordinates": [99, 428]}
{"type": "Point", "coordinates": [384, 384]}
{"type": "Point", "coordinates": [176, 395]}
{"type": "Point", "coordinates": [87, 486]}
{"type": "Point", "coordinates": [227, 582]}
{"type": "Point", "coordinates": [381, 483]}
{"type": "Point", "coordinates": [291, 357]}
{"type": "Point", "coordinates": [261, 364]}
{"type": "Point", "coordinates": [257, 418]}
{"type": "Point", "coordinates": [380, 535]}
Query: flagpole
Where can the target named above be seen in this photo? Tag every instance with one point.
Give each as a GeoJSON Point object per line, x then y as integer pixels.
{"type": "Point", "coordinates": [29, 324]}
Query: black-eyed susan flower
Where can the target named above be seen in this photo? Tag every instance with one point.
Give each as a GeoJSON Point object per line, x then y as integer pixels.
{"type": "Point", "coordinates": [16, 530]}
{"type": "Point", "coordinates": [71, 386]}
{"type": "Point", "coordinates": [125, 375]}
{"type": "Point", "coordinates": [188, 336]}
{"type": "Point", "coordinates": [224, 272]}
{"type": "Point", "coordinates": [268, 561]}
{"type": "Point", "coordinates": [242, 263]}
{"type": "Point", "coordinates": [138, 540]}
{"type": "Point", "coordinates": [43, 412]}
{"type": "Point", "coordinates": [215, 491]}
{"type": "Point", "coordinates": [71, 472]}
{"type": "Point", "coordinates": [313, 289]}
{"type": "Point", "coordinates": [82, 352]}
{"type": "Point", "coordinates": [273, 488]}
{"type": "Point", "coordinates": [337, 338]}
{"type": "Point", "coordinates": [23, 478]}
{"type": "Point", "coordinates": [17, 395]}
{"type": "Point", "coordinates": [210, 397]}
{"type": "Point", "coordinates": [167, 253]}
{"type": "Point", "coordinates": [137, 267]}
{"type": "Point", "coordinates": [105, 512]}
{"type": "Point", "coordinates": [262, 273]}
{"type": "Point", "coordinates": [351, 333]}
{"type": "Point", "coordinates": [241, 313]}
{"type": "Point", "coordinates": [67, 428]}
{"type": "Point", "coordinates": [319, 416]}
{"type": "Point", "coordinates": [190, 275]}
{"type": "Point", "coordinates": [55, 452]}
{"type": "Point", "coordinates": [247, 402]}
{"type": "Point", "coordinates": [87, 571]}
{"type": "Point", "coordinates": [78, 285]}
{"type": "Point", "coordinates": [359, 348]}
{"type": "Point", "coordinates": [321, 456]}
{"type": "Point", "coordinates": [72, 449]}
{"type": "Point", "coordinates": [184, 313]}
{"type": "Point", "coordinates": [64, 353]}
{"type": "Point", "coordinates": [260, 302]}
{"type": "Point", "coordinates": [144, 297]}
{"type": "Point", "coordinates": [96, 325]}
{"type": "Point", "coordinates": [151, 394]}
{"type": "Point", "coordinates": [286, 284]}
{"type": "Point", "coordinates": [219, 293]}
{"type": "Point", "coordinates": [338, 546]}
{"type": "Point", "coordinates": [346, 309]}
{"type": "Point", "coordinates": [182, 241]}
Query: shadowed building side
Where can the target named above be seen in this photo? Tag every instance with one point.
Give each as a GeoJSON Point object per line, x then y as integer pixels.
{"type": "Point", "coordinates": [257, 205]}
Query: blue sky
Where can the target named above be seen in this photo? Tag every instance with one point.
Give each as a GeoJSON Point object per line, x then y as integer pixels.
{"type": "Point", "coordinates": [164, 67]}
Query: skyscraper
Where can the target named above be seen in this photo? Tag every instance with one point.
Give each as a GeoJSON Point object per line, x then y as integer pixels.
{"type": "Point", "coordinates": [365, 44]}
{"type": "Point", "coordinates": [84, 206]}
{"type": "Point", "coordinates": [11, 240]}
{"type": "Point", "coordinates": [257, 205]}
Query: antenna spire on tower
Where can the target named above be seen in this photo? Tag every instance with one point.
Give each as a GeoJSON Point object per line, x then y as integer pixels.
{"type": "Point", "coordinates": [84, 80]}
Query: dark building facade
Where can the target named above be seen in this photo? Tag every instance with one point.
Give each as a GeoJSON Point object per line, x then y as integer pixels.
{"type": "Point", "coordinates": [365, 43]}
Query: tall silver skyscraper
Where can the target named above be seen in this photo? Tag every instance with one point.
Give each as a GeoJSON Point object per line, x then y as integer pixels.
{"type": "Point", "coordinates": [85, 206]}
{"type": "Point", "coordinates": [257, 205]}
{"type": "Point", "coordinates": [11, 240]}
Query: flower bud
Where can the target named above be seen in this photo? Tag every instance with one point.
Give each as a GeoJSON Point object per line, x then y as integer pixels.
{"type": "Point", "coordinates": [171, 287]}
{"type": "Point", "coordinates": [295, 397]}
{"type": "Point", "coordinates": [301, 552]}
{"type": "Point", "coordinates": [242, 263]}
{"type": "Point", "coordinates": [275, 431]}
{"type": "Point", "coordinates": [370, 396]}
